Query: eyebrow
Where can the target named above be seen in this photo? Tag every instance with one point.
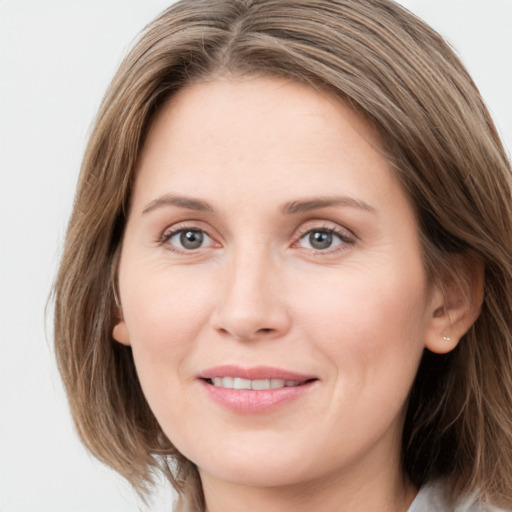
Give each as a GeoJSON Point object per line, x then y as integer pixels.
{"type": "Point", "coordinates": [317, 203]}
{"type": "Point", "coordinates": [290, 208]}
{"type": "Point", "coordinates": [187, 203]}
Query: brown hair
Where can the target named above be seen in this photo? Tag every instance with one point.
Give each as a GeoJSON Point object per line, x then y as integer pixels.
{"type": "Point", "coordinates": [401, 75]}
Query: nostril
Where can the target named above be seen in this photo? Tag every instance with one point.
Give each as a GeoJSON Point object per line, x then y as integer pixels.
{"type": "Point", "coordinates": [265, 331]}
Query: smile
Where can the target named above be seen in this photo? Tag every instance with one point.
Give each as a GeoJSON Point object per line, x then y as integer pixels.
{"type": "Point", "coordinates": [256, 385]}
{"type": "Point", "coordinates": [256, 390]}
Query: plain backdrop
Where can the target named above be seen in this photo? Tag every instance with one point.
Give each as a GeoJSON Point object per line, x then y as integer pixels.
{"type": "Point", "coordinates": [56, 59]}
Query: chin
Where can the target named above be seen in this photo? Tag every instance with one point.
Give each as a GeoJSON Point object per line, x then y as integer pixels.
{"type": "Point", "coordinates": [267, 474]}
{"type": "Point", "coordinates": [258, 465]}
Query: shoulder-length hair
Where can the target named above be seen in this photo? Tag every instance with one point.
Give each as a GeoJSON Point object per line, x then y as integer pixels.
{"type": "Point", "coordinates": [400, 75]}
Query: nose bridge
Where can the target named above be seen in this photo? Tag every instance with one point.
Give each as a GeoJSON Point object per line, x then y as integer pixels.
{"type": "Point", "coordinates": [250, 305]}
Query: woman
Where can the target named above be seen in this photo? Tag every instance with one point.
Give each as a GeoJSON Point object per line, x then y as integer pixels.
{"type": "Point", "coordinates": [287, 276]}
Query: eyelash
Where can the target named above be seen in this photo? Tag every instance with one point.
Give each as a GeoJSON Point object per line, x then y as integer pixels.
{"type": "Point", "coordinates": [167, 235]}
{"type": "Point", "coordinates": [345, 237]}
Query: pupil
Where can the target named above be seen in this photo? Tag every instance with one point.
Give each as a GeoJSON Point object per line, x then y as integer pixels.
{"type": "Point", "coordinates": [191, 239]}
{"type": "Point", "coordinates": [320, 239]}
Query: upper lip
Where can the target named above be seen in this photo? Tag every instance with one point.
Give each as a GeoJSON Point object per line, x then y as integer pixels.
{"type": "Point", "coordinates": [254, 373]}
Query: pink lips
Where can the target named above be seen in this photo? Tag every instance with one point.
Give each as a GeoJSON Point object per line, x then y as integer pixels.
{"type": "Point", "coordinates": [255, 401]}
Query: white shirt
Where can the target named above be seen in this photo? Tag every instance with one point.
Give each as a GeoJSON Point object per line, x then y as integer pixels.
{"type": "Point", "coordinates": [433, 497]}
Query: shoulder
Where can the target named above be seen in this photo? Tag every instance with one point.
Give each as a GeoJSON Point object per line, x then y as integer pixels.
{"type": "Point", "coordinates": [436, 497]}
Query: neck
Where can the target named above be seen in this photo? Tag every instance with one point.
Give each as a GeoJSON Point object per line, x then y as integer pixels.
{"type": "Point", "coordinates": [386, 491]}
{"type": "Point", "coordinates": [372, 479]}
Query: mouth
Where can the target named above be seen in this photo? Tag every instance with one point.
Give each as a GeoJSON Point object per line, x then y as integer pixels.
{"type": "Point", "coordinates": [255, 385]}
{"type": "Point", "coordinates": [255, 390]}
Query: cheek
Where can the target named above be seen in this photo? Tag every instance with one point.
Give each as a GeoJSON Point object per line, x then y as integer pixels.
{"type": "Point", "coordinates": [370, 325]}
{"type": "Point", "coordinates": [163, 308]}
{"type": "Point", "coordinates": [165, 315]}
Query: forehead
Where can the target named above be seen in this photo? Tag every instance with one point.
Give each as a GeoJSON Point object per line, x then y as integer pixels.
{"type": "Point", "coordinates": [256, 106]}
{"type": "Point", "coordinates": [228, 135]}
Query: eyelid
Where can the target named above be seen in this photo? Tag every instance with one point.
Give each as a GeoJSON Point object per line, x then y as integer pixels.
{"type": "Point", "coordinates": [323, 225]}
{"type": "Point", "coordinates": [178, 227]}
{"type": "Point", "coordinates": [346, 236]}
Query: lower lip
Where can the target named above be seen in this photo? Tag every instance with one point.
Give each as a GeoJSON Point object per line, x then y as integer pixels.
{"type": "Point", "coordinates": [246, 401]}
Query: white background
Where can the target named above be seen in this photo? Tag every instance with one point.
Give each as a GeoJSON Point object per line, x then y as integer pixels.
{"type": "Point", "coordinates": [56, 59]}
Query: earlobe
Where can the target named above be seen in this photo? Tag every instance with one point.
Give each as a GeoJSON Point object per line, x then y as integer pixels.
{"type": "Point", "coordinates": [120, 332]}
{"type": "Point", "coordinates": [456, 306]}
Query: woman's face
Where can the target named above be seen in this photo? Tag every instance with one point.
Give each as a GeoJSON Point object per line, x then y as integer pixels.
{"type": "Point", "coordinates": [269, 246]}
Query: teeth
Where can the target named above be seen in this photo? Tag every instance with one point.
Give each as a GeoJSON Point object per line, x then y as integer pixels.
{"type": "Point", "coordinates": [260, 384]}
{"type": "Point", "coordinates": [276, 383]}
{"type": "Point", "coordinates": [257, 385]}
{"type": "Point", "coordinates": [241, 383]}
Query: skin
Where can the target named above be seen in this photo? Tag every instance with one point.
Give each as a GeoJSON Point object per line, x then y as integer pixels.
{"type": "Point", "coordinates": [356, 315]}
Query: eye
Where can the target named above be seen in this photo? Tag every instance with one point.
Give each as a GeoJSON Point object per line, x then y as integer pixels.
{"type": "Point", "coordinates": [323, 239]}
{"type": "Point", "coordinates": [187, 239]}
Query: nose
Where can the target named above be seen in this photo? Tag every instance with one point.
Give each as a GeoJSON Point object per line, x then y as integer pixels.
{"type": "Point", "coordinates": [252, 301]}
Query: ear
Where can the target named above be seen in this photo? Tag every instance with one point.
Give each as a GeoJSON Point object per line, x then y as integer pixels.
{"type": "Point", "coordinates": [120, 330]}
{"type": "Point", "coordinates": [455, 304]}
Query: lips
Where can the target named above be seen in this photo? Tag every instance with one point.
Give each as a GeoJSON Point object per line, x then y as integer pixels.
{"type": "Point", "coordinates": [254, 390]}
{"type": "Point", "coordinates": [254, 373]}
{"type": "Point", "coordinates": [256, 385]}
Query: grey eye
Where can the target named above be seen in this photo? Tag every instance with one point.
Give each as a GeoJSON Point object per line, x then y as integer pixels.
{"type": "Point", "coordinates": [320, 239]}
{"type": "Point", "coordinates": [189, 239]}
